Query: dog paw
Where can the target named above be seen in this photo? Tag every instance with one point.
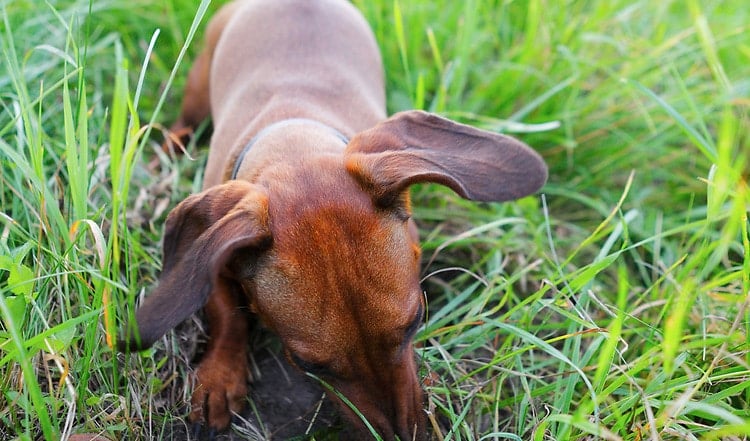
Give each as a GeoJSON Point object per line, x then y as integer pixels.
{"type": "Point", "coordinates": [200, 434]}
{"type": "Point", "coordinates": [176, 138]}
{"type": "Point", "coordinates": [220, 390]}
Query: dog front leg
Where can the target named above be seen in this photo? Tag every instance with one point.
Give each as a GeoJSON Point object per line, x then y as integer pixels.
{"type": "Point", "coordinates": [222, 376]}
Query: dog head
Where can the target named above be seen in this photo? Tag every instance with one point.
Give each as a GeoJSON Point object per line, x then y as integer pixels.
{"type": "Point", "coordinates": [328, 256]}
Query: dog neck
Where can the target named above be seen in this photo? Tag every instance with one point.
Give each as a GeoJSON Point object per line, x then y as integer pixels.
{"type": "Point", "coordinates": [280, 125]}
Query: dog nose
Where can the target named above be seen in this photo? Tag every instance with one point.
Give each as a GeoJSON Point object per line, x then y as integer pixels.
{"type": "Point", "coordinates": [407, 405]}
{"type": "Point", "coordinates": [394, 415]}
{"type": "Point", "coordinates": [402, 429]}
{"type": "Point", "coordinates": [410, 417]}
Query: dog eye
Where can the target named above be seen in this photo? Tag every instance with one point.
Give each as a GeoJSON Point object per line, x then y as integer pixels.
{"type": "Point", "coordinates": [312, 368]}
{"type": "Point", "coordinates": [411, 330]}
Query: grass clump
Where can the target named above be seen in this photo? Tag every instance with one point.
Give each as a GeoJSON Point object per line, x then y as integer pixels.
{"type": "Point", "coordinates": [613, 306]}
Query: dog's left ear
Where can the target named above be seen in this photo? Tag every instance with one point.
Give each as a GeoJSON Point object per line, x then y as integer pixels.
{"type": "Point", "coordinates": [203, 234]}
{"type": "Point", "coordinates": [414, 147]}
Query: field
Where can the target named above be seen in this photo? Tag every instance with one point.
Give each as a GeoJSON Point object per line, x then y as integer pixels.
{"type": "Point", "coordinates": [612, 305]}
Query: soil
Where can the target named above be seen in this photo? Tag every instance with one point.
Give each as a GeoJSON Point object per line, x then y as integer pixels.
{"type": "Point", "coordinates": [284, 404]}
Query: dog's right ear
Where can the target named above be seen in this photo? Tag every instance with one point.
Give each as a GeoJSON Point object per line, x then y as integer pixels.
{"type": "Point", "coordinates": [414, 147]}
{"type": "Point", "coordinates": [202, 235]}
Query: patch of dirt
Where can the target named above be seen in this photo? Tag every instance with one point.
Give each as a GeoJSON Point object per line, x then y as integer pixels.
{"type": "Point", "coordinates": [284, 404]}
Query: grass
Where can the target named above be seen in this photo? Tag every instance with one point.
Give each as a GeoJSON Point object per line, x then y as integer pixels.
{"type": "Point", "coordinates": [613, 306]}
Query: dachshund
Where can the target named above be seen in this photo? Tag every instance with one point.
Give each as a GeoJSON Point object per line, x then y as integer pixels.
{"type": "Point", "coordinates": [304, 221]}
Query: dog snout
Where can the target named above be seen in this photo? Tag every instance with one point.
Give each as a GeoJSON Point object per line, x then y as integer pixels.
{"type": "Point", "coordinates": [393, 408]}
{"type": "Point", "coordinates": [405, 422]}
{"type": "Point", "coordinates": [409, 415]}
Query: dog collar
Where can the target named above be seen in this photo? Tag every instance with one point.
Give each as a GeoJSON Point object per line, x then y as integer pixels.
{"type": "Point", "coordinates": [277, 125]}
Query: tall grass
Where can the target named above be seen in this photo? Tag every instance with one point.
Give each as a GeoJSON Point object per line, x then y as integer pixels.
{"type": "Point", "coordinates": [612, 306]}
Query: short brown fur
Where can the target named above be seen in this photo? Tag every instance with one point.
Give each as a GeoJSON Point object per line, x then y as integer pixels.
{"type": "Point", "coordinates": [313, 235]}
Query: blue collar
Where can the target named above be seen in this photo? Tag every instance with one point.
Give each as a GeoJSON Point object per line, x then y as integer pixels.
{"type": "Point", "coordinates": [275, 125]}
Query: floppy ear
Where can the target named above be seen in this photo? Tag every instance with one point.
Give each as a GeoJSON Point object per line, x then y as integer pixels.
{"type": "Point", "coordinates": [202, 234]}
{"type": "Point", "coordinates": [414, 147]}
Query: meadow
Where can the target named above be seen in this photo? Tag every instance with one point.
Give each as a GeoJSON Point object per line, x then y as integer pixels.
{"type": "Point", "coordinates": [612, 305]}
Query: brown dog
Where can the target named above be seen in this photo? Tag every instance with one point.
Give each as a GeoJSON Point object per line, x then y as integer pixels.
{"type": "Point", "coordinates": [305, 217]}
